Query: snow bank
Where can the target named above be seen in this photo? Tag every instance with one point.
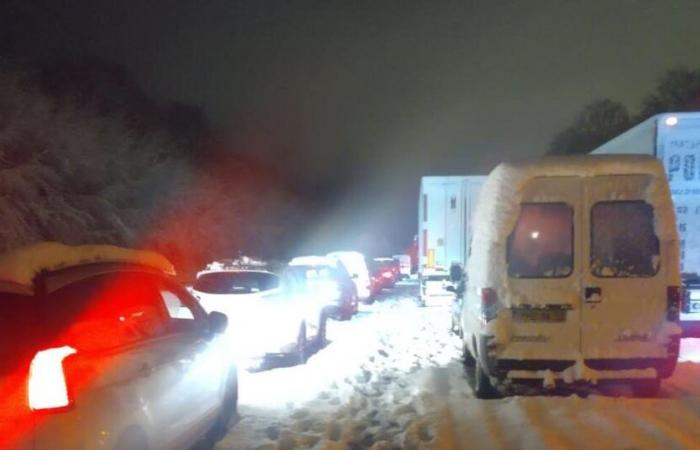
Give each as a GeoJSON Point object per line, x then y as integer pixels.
{"type": "Point", "coordinates": [20, 266]}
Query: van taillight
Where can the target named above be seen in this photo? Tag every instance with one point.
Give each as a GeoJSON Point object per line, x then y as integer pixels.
{"type": "Point", "coordinates": [673, 296]}
{"type": "Point", "coordinates": [47, 387]}
{"type": "Point", "coordinates": [489, 303]}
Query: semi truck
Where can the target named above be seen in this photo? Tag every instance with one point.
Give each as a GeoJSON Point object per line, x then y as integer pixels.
{"type": "Point", "coordinates": [674, 138]}
{"type": "Point", "coordinates": [445, 209]}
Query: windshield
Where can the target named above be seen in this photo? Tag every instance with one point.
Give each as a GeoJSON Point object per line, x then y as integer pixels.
{"type": "Point", "coordinates": [236, 282]}
{"type": "Point", "coordinates": [624, 243]}
{"type": "Point", "coordinates": [541, 245]}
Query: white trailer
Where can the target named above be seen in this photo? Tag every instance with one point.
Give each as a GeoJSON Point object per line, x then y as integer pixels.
{"type": "Point", "coordinates": [674, 138]}
{"type": "Point", "coordinates": [445, 209]}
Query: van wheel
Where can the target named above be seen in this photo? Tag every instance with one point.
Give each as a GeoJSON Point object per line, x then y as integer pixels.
{"type": "Point", "coordinates": [483, 388]}
{"type": "Point", "coordinates": [467, 357]}
{"type": "Point", "coordinates": [646, 388]}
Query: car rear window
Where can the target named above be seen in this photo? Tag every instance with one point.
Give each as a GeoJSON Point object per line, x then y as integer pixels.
{"type": "Point", "coordinates": [542, 242]}
{"type": "Point", "coordinates": [236, 282]}
{"type": "Point", "coordinates": [96, 313]}
{"type": "Point", "coordinates": [623, 241]}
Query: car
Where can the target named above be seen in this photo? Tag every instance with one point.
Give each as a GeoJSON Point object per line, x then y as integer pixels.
{"type": "Point", "coordinates": [356, 265]}
{"type": "Point", "coordinates": [326, 282]}
{"type": "Point", "coordinates": [389, 269]}
{"type": "Point", "coordinates": [574, 275]}
{"type": "Point", "coordinates": [269, 320]}
{"type": "Point", "coordinates": [107, 351]}
{"type": "Point", "coordinates": [435, 288]}
{"type": "Point", "coordinates": [690, 310]}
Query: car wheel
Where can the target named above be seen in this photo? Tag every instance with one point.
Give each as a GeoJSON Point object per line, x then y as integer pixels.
{"type": "Point", "coordinates": [646, 388]}
{"type": "Point", "coordinates": [228, 409]}
{"type": "Point", "coordinates": [301, 350]}
{"type": "Point", "coordinates": [321, 335]}
{"type": "Point", "coordinates": [342, 312]}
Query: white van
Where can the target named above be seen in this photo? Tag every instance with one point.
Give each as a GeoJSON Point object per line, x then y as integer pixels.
{"type": "Point", "coordinates": [574, 275]}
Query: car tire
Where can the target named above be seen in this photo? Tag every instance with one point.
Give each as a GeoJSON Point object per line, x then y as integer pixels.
{"type": "Point", "coordinates": [646, 388]}
{"type": "Point", "coordinates": [229, 407]}
{"type": "Point", "coordinates": [345, 312]}
{"type": "Point", "coordinates": [301, 347]}
{"type": "Point", "coordinates": [321, 334]}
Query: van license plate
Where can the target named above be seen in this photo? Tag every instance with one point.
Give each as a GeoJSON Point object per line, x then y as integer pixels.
{"type": "Point", "coordinates": [539, 315]}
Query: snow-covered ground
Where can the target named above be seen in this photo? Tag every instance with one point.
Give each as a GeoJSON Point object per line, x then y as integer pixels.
{"type": "Point", "coordinates": [391, 378]}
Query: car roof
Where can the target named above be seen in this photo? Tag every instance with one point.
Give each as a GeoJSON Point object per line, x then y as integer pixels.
{"type": "Point", "coordinates": [313, 261]}
{"type": "Point", "coordinates": [233, 270]}
{"type": "Point", "coordinates": [20, 267]}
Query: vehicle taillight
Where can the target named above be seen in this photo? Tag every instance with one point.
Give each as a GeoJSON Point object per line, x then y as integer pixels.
{"type": "Point", "coordinates": [673, 296]}
{"type": "Point", "coordinates": [47, 388]}
{"type": "Point", "coordinates": [489, 303]}
{"type": "Point", "coordinates": [386, 274]}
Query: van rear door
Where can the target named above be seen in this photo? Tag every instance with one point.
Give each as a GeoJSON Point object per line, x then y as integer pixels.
{"type": "Point", "coordinates": [624, 295]}
{"type": "Point", "coordinates": [543, 271]}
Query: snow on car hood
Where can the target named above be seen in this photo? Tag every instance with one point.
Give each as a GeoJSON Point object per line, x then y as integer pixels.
{"type": "Point", "coordinates": [20, 266]}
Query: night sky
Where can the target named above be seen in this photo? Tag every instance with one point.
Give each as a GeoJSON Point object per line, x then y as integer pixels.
{"type": "Point", "coordinates": [359, 99]}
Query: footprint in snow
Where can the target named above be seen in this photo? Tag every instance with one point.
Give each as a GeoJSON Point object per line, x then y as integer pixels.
{"type": "Point", "coordinates": [272, 432]}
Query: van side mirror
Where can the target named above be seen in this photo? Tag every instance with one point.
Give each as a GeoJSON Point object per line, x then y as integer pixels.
{"type": "Point", "coordinates": [217, 322]}
{"type": "Point", "coordinates": [451, 288]}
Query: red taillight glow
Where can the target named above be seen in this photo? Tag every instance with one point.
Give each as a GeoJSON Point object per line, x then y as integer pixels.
{"type": "Point", "coordinates": [387, 274]}
{"type": "Point", "coordinates": [47, 388]}
{"type": "Point", "coordinates": [489, 303]}
{"type": "Point", "coordinates": [673, 295]}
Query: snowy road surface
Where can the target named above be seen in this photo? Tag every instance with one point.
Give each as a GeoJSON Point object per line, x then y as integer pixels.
{"type": "Point", "coordinates": [391, 378]}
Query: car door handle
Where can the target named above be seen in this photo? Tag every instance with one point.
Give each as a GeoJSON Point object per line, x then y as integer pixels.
{"type": "Point", "coordinates": [593, 294]}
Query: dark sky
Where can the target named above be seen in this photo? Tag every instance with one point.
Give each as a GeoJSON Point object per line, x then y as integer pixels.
{"type": "Point", "coordinates": [364, 97]}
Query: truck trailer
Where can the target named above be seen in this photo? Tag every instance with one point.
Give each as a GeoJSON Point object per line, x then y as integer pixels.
{"type": "Point", "coordinates": [445, 208]}
{"type": "Point", "coordinates": [674, 138]}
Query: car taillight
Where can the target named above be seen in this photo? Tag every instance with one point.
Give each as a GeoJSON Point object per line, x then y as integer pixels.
{"type": "Point", "coordinates": [47, 387]}
{"type": "Point", "coordinates": [673, 296]}
{"type": "Point", "coordinates": [386, 274]}
{"type": "Point", "coordinates": [489, 303]}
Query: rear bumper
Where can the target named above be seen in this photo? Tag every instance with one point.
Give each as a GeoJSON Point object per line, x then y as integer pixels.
{"type": "Point", "coordinates": [592, 370]}
{"type": "Point", "coordinates": [690, 323]}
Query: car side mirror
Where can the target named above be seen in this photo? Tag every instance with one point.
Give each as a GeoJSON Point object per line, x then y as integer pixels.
{"type": "Point", "coordinates": [217, 322]}
{"type": "Point", "coordinates": [450, 289]}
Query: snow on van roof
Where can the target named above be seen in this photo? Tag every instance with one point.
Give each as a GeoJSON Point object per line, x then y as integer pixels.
{"type": "Point", "coordinates": [20, 266]}
{"type": "Point", "coordinates": [502, 192]}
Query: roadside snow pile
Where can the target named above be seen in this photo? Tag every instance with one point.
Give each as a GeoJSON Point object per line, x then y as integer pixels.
{"type": "Point", "coordinates": [365, 390]}
{"type": "Point", "coordinates": [22, 265]}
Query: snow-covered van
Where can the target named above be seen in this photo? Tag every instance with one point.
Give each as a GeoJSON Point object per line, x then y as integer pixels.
{"type": "Point", "coordinates": [574, 274]}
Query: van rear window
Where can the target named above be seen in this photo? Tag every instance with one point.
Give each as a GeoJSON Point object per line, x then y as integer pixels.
{"type": "Point", "coordinates": [542, 243]}
{"type": "Point", "coordinates": [623, 241]}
